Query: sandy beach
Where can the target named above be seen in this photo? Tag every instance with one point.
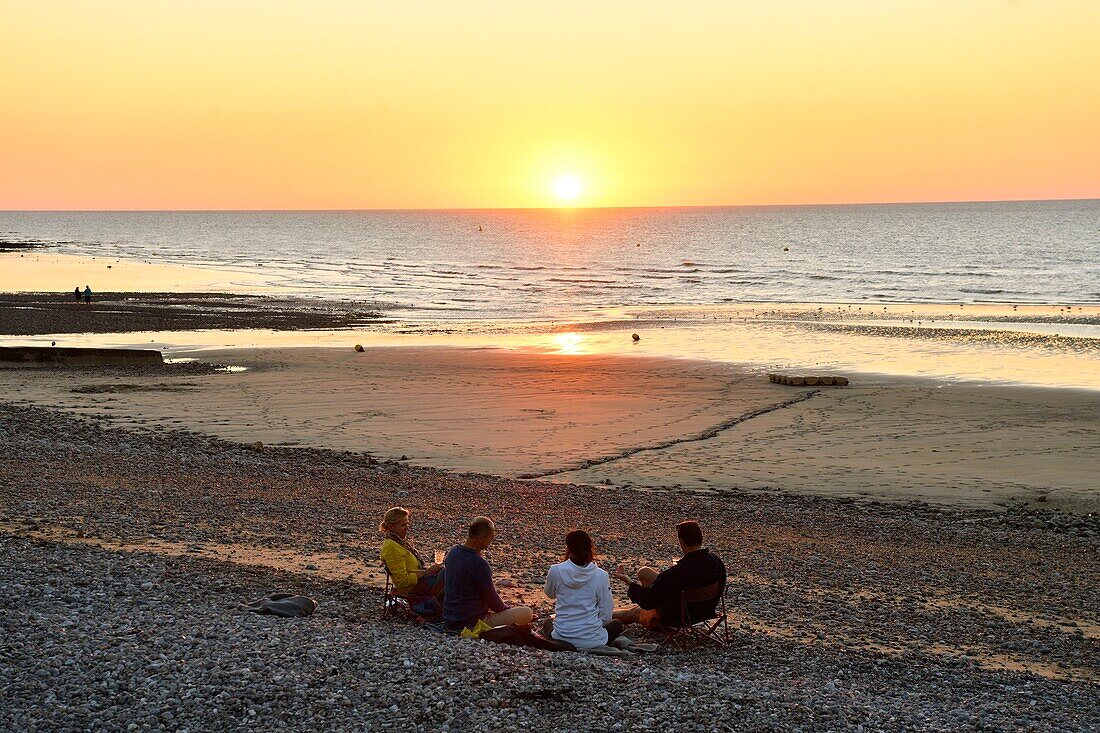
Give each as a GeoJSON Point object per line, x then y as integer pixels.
{"type": "Point", "coordinates": [630, 421]}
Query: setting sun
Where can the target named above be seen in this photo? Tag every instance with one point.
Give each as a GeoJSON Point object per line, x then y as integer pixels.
{"type": "Point", "coordinates": [112, 105]}
{"type": "Point", "coordinates": [567, 187]}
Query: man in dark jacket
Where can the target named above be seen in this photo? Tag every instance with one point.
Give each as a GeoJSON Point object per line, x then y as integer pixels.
{"type": "Point", "coordinates": [658, 595]}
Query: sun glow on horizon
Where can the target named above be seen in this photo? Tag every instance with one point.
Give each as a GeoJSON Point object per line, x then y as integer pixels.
{"type": "Point", "coordinates": [128, 105]}
{"type": "Point", "coordinates": [567, 187]}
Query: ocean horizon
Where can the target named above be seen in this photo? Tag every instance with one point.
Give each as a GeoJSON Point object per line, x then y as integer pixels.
{"type": "Point", "coordinates": [538, 263]}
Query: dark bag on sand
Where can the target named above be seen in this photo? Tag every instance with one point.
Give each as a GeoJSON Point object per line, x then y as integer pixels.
{"type": "Point", "coordinates": [286, 605]}
{"type": "Point", "coordinates": [524, 636]}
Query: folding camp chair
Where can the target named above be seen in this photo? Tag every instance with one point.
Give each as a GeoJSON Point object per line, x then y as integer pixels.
{"type": "Point", "coordinates": [393, 604]}
{"type": "Point", "coordinates": [693, 630]}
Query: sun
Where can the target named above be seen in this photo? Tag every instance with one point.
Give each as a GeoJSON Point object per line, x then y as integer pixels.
{"type": "Point", "coordinates": [567, 187]}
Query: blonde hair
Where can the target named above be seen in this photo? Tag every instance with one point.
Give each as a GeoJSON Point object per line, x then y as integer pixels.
{"type": "Point", "coordinates": [391, 516]}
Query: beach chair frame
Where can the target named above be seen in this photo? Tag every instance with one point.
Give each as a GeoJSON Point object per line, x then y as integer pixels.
{"type": "Point", "coordinates": [714, 630]}
{"type": "Point", "coordinates": [394, 605]}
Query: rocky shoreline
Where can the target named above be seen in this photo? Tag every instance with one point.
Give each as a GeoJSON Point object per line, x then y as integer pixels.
{"type": "Point", "coordinates": [28, 314]}
{"type": "Point", "coordinates": [127, 552]}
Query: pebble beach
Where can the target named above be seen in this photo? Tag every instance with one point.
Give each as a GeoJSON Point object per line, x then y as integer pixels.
{"type": "Point", "coordinates": [128, 551]}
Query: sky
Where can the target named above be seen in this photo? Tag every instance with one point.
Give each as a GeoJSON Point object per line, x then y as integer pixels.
{"type": "Point", "coordinates": [475, 104]}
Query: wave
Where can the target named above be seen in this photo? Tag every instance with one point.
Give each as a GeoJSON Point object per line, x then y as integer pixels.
{"type": "Point", "coordinates": [891, 289]}
{"type": "Point", "coordinates": [917, 273]}
{"type": "Point", "coordinates": [924, 255]}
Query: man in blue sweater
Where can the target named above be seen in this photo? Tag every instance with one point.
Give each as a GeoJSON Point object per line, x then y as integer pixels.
{"type": "Point", "coordinates": [469, 595]}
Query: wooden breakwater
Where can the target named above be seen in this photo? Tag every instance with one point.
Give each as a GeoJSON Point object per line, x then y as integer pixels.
{"type": "Point", "coordinates": [810, 381]}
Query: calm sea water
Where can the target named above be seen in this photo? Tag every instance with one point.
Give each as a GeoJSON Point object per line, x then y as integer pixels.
{"type": "Point", "coordinates": [540, 263]}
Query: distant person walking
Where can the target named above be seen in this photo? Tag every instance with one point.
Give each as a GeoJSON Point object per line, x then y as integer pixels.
{"type": "Point", "coordinates": [76, 294]}
{"type": "Point", "coordinates": [87, 293]}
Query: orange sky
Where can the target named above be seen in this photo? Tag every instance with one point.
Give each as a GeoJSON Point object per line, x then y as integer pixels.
{"type": "Point", "coordinates": [408, 103]}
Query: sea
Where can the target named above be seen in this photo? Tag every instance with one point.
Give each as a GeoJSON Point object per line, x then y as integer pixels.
{"type": "Point", "coordinates": [549, 263]}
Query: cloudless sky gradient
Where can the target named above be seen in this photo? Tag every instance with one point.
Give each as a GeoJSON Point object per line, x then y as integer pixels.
{"type": "Point", "coordinates": [276, 104]}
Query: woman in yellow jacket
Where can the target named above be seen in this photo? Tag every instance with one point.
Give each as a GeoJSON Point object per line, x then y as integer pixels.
{"type": "Point", "coordinates": [411, 576]}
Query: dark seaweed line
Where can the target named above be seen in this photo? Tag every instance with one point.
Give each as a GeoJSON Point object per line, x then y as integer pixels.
{"type": "Point", "coordinates": [705, 435]}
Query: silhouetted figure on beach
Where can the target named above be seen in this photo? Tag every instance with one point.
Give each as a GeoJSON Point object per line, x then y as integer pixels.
{"type": "Point", "coordinates": [76, 294]}
{"type": "Point", "coordinates": [658, 594]}
{"type": "Point", "coordinates": [87, 293]}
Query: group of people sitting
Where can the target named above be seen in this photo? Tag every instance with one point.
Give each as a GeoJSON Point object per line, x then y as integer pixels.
{"type": "Point", "coordinates": [462, 592]}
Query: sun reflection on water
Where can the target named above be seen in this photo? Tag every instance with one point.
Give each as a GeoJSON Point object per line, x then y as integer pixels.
{"type": "Point", "coordinates": [569, 343]}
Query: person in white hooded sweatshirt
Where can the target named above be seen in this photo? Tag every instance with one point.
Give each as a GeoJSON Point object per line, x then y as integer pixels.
{"type": "Point", "coordinates": [582, 591]}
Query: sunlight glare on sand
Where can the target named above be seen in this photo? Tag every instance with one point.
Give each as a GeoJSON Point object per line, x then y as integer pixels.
{"type": "Point", "coordinates": [569, 343]}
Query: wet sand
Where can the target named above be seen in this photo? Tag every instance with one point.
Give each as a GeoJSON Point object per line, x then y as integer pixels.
{"type": "Point", "coordinates": [40, 270]}
{"type": "Point", "coordinates": [1048, 346]}
{"type": "Point", "coordinates": [633, 421]}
